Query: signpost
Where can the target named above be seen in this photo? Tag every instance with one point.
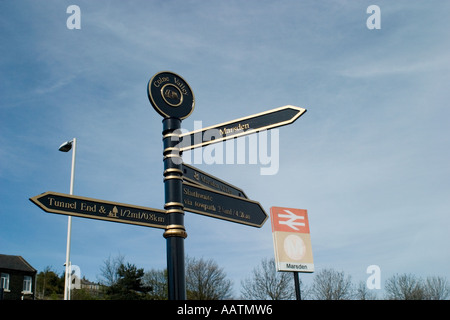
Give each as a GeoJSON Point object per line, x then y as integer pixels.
{"type": "Point", "coordinates": [185, 187]}
{"type": "Point", "coordinates": [240, 127]}
{"type": "Point", "coordinates": [223, 206]}
{"type": "Point", "coordinates": [171, 96]}
{"type": "Point", "coordinates": [83, 207]}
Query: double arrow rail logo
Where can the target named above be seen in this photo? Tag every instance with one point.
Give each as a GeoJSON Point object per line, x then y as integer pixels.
{"type": "Point", "coordinates": [292, 222]}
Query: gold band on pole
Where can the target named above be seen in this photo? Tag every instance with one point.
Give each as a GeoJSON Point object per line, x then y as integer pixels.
{"type": "Point", "coordinates": [173, 177]}
{"type": "Point", "coordinates": [175, 230]}
{"type": "Point", "coordinates": [169, 204]}
{"type": "Point", "coordinates": [170, 171]}
{"type": "Point", "coordinates": [174, 210]}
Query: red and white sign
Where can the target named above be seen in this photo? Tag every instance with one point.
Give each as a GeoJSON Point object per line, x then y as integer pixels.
{"type": "Point", "coordinates": [291, 239]}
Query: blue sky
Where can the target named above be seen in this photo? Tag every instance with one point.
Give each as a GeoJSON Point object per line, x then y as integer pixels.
{"type": "Point", "coordinates": [369, 160]}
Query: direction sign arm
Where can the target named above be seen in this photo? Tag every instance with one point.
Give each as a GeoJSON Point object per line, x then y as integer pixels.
{"type": "Point", "coordinates": [240, 127]}
{"type": "Point", "coordinates": [217, 204]}
{"type": "Point", "coordinates": [199, 177]}
{"type": "Point", "coordinates": [60, 203]}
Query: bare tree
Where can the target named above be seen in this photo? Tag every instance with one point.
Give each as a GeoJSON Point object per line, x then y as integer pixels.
{"type": "Point", "coordinates": [364, 293]}
{"type": "Point", "coordinates": [411, 287]}
{"type": "Point", "coordinates": [268, 284]}
{"type": "Point", "coordinates": [157, 280]}
{"type": "Point", "coordinates": [206, 281]}
{"type": "Point", "coordinates": [109, 271]}
{"type": "Point", "coordinates": [436, 288]}
{"type": "Point", "coordinates": [331, 285]}
{"type": "Point", "coordinates": [404, 287]}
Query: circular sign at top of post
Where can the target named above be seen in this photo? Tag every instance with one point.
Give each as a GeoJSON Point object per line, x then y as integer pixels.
{"type": "Point", "coordinates": [170, 95]}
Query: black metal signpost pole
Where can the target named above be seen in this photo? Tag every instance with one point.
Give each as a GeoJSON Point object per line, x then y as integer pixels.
{"type": "Point", "coordinates": [175, 232]}
{"type": "Point", "coordinates": [171, 96]}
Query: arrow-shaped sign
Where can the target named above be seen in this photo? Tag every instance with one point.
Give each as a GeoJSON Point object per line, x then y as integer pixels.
{"type": "Point", "coordinates": [66, 204]}
{"type": "Point", "coordinates": [196, 176]}
{"type": "Point", "coordinates": [232, 129]}
{"type": "Point", "coordinates": [224, 206]}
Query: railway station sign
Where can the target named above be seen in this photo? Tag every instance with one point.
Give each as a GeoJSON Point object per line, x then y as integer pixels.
{"type": "Point", "coordinates": [291, 239]}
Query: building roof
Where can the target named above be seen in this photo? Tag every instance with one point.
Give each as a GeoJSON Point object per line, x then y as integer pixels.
{"type": "Point", "coordinates": [15, 263]}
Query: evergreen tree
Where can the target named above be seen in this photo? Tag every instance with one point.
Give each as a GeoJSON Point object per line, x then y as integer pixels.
{"type": "Point", "coordinates": [129, 284]}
